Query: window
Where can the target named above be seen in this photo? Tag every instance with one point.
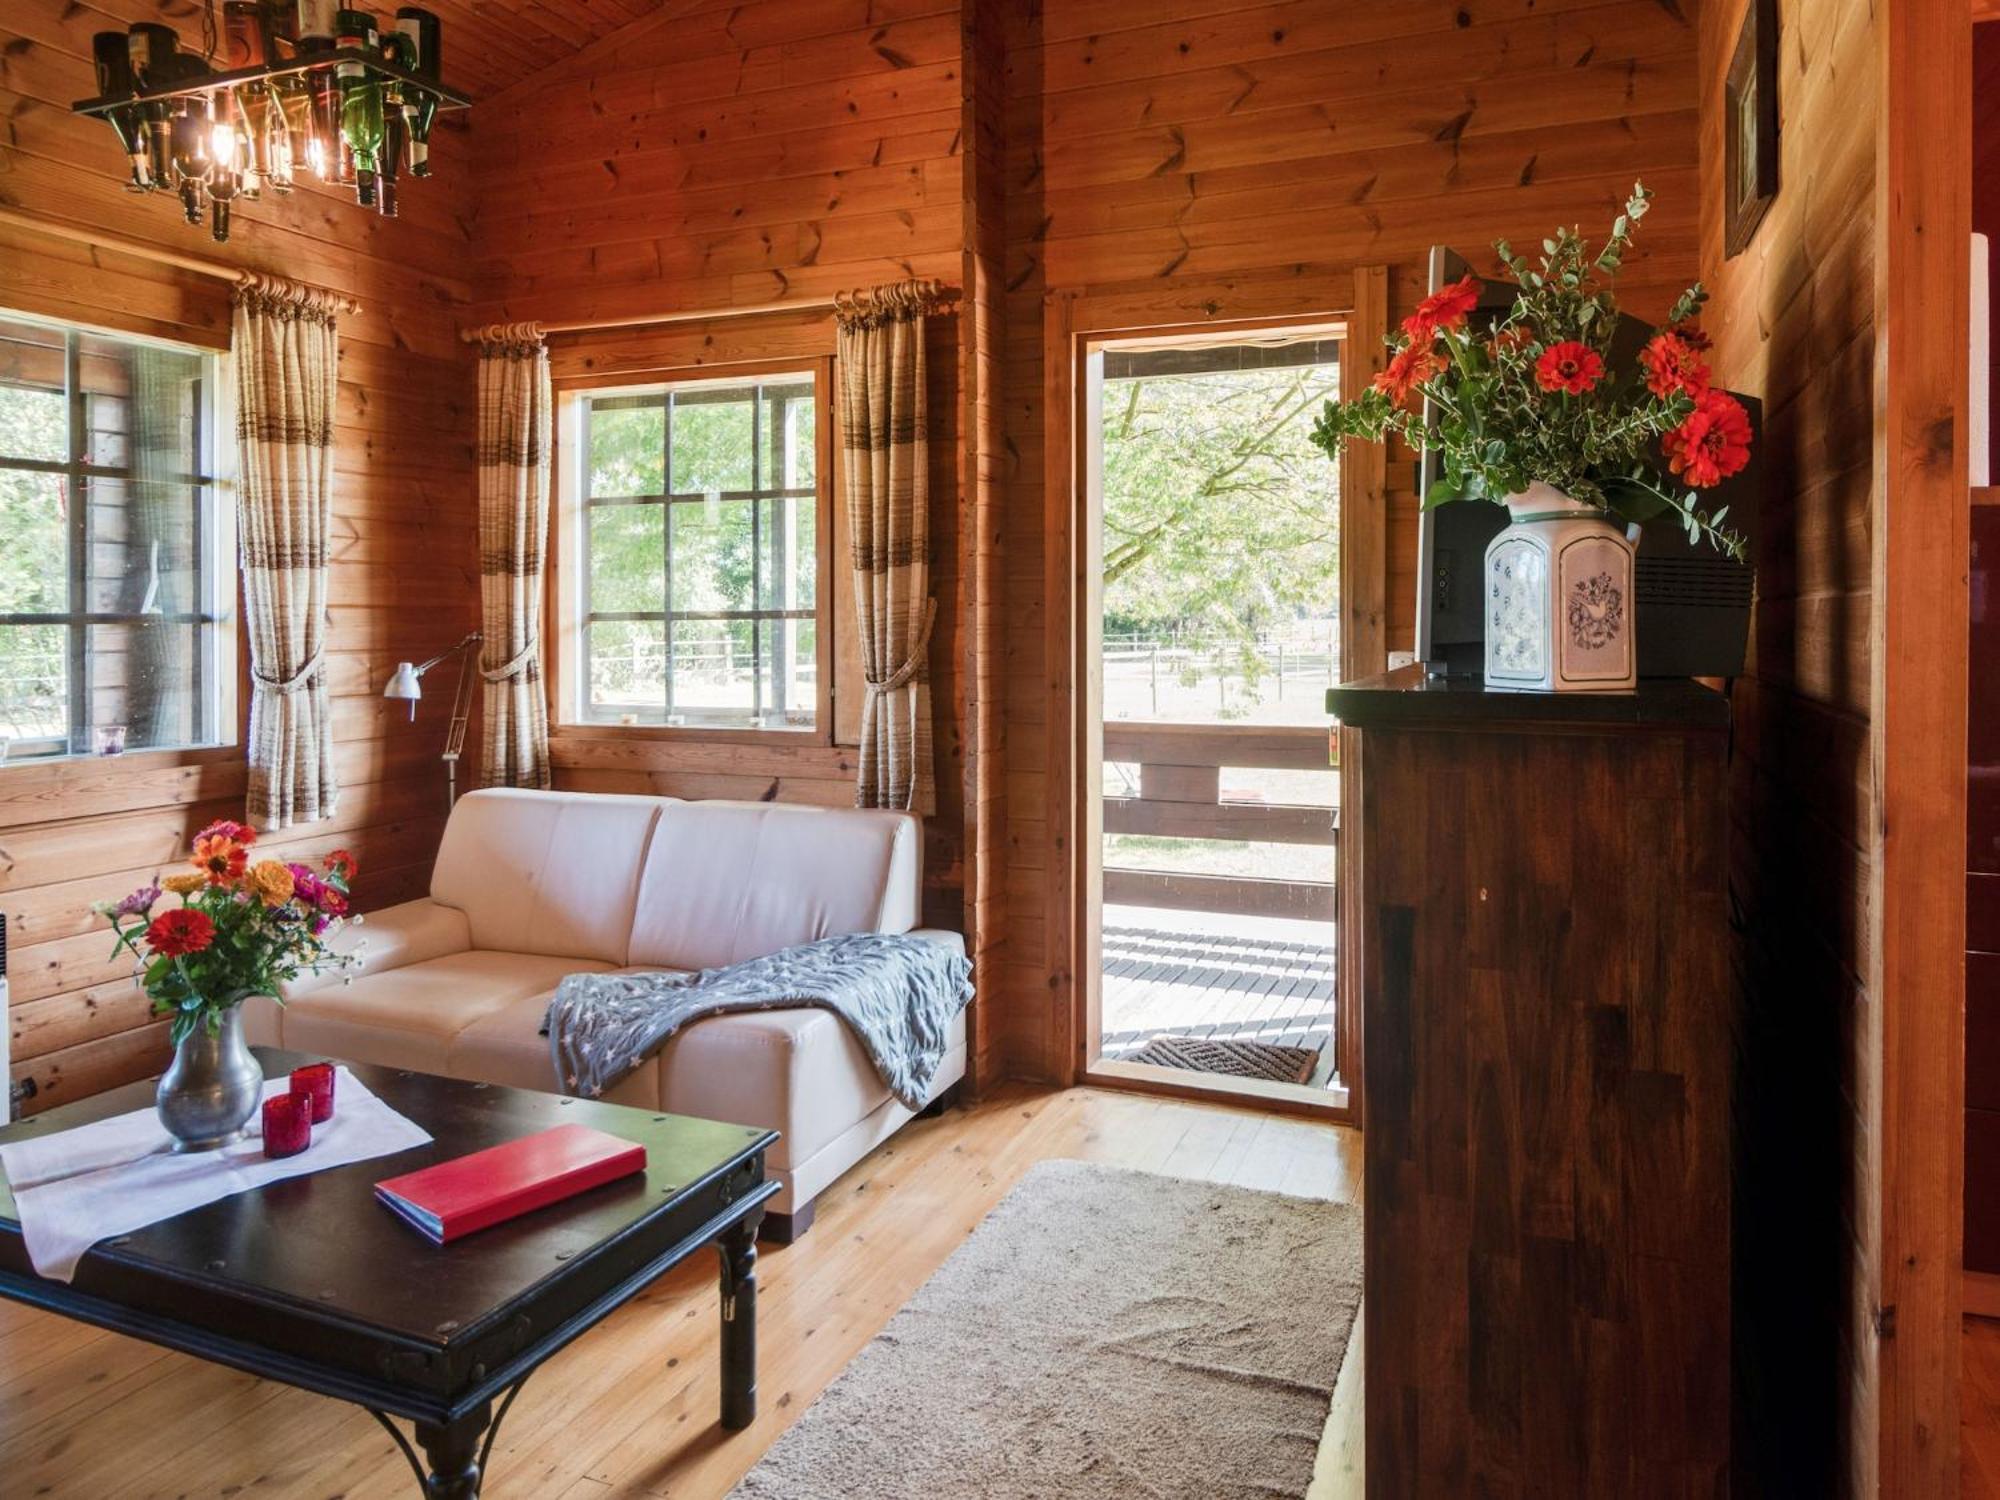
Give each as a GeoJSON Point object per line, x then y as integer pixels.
{"type": "Point", "coordinates": [111, 631]}
{"type": "Point", "coordinates": [698, 550]}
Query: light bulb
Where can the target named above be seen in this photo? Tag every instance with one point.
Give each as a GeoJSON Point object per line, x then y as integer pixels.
{"type": "Point", "coordinates": [222, 144]}
{"type": "Point", "coordinates": [316, 155]}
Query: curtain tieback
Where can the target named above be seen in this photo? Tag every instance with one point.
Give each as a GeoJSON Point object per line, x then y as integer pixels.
{"type": "Point", "coordinates": [514, 666]}
{"type": "Point", "coordinates": [285, 687]}
{"type": "Point", "coordinates": [915, 661]}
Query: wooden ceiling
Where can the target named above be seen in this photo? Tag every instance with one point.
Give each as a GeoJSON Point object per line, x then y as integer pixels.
{"type": "Point", "coordinates": [490, 44]}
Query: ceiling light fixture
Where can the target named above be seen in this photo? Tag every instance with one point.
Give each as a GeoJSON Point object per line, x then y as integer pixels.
{"type": "Point", "coordinates": [306, 86]}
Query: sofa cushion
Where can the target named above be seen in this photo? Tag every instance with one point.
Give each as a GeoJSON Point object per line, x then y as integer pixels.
{"type": "Point", "coordinates": [546, 872]}
{"type": "Point", "coordinates": [729, 881]}
{"type": "Point", "coordinates": [408, 1017]}
{"type": "Point", "coordinates": [506, 1046]}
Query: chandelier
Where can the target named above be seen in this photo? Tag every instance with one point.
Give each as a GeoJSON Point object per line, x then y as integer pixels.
{"type": "Point", "coordinates": [303, 87]}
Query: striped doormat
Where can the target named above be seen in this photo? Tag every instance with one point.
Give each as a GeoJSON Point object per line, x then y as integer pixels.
{"type": "Point", "coordinates": [1238, 1059]}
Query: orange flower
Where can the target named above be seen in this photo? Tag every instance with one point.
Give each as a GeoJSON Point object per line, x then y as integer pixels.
{"type": "Point", "coordinates": [1711, 444]}
{"type": "Point", "coordinates": [220, 858]}
{"type": "Point", "coordinates": [183, 885]}
{"type": "Point", "coordinates": [1448, 307]}
{"type": "Point", "coordinates": [1568, 366]}
{"type": "Point", "coordinates": [1408, 368]}
{"type": "Point", "coordinates": [342, 864]}
{"type": "Point", "coordinates": [1673, 365]}
{"type": "Point", "coordinates": [240, 833]}
{"type": "Point", "coordinates": [173, 934]}
{"type": "Point", "coordinates": [272, 882]}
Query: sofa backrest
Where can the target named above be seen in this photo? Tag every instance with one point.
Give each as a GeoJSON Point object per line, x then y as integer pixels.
{"type": "Point", "coordinates": [554, 873]}
{"type": "Point", "coordinates": [728, 881]}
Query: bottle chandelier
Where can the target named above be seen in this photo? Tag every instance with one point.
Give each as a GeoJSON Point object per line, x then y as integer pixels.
{"type": "Point", "coordinates": [305, 87]}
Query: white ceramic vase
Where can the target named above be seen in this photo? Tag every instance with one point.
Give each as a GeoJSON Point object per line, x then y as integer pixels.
{"type": "Point", "coordinates": [1559, 603]}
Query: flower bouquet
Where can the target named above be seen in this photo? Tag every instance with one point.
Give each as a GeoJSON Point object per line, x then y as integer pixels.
{"type": "Point", "coordinates": [241, 929]}
{"type": "Point", "coordinates": [1537, 411]}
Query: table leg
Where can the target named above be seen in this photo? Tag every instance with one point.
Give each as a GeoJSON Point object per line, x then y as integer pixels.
{"type": "Point", "coordinates": [738, 1246]}
{"type": "Point", "coordinates": [454, 1454]}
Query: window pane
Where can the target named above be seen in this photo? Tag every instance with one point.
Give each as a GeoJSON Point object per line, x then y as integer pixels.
{"type": "Point", "coordinates": [34, 543]}
{"type": "Point", "coordinates": [712, 442]}
{"type": "Point", "coordinates": [789, 436]}
{"type": "Point", "coordinates": [628, 671]}
{"type": "Point", "coordinates": [34, 410]}
{"type": "Point", "coordinates": [628, 449]}
{"type": "Point", "coordinates": [714, 672]}
{"type": "Point", "coordinates": [34, 682]}
{"type": "Point", "coordinates": [144, 556]}
{"type": "Point", "coordinates": [628, 558]}
{"type": "Point", "coordinates": [142, 408]}
{"type": "Point", "coordinates": [790, 676]}
{"type": "Point", "coordinates": [713, 550]}
{"type": "Point", "coordinates": [143, 675]}
{"type": "Point", "coordinates": [790, 542]}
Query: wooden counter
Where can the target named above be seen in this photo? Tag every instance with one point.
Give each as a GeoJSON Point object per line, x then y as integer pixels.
{"type": "Point", "coordinates": [1537, 882]}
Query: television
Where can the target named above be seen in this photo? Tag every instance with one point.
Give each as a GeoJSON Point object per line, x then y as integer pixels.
{"type": "Point", "coordinates": [1693, 603]}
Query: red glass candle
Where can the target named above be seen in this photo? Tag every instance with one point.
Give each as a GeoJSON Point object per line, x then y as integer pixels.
{"type": "Point", "coordinates": [287, 1125]}
{"type": "Point", "coordinates": [315, 1082]}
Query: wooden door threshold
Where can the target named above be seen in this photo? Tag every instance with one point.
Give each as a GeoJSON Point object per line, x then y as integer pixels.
{"type": "Point", "coordinates": [1323, 1103]}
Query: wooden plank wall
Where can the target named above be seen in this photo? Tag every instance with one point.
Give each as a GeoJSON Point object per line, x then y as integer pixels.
{"type": "Point", "coordinates": [1794, 319]}
{"type": "Point", "coordinates": [1215, 158]}
{"type": "Point", "coordinates": [405, 577]}
{"type": "Point", "coordinates": [725, 156]}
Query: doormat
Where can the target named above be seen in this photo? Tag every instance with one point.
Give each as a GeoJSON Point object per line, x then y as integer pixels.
{"type": "Point", "coordinates": [1238, 1059]}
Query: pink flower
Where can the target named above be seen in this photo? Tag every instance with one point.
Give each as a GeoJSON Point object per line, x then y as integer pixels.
{"type": "Point", "coordinates": [139, 902]}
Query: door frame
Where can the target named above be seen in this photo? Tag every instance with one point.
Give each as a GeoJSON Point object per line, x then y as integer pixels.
{"type": "Point", "coordinates": [1355, 298]}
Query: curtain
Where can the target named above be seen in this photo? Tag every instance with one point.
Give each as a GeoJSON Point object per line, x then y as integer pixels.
{"type": "Point", "coordinates": [883, 415]}
{"type": "Point", "coordinates": [513, 458]}
{"type": "Point", "coordinates": [286, 368]}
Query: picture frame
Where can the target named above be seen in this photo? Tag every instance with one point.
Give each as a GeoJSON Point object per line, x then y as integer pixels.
{"type": "Point", "coordinates": [1750, 126]}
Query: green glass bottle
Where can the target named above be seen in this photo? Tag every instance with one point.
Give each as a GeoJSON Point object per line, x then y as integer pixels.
{"type": "Point", "coordinates": [361, 122]}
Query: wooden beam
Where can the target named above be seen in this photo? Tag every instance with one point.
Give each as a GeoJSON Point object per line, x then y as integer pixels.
{"type": "Point", "coordinates": [1921, 554]}
{"type": "Point", "coordinates": [1259, 747]}
{"type": "Point", "coordinates": [1241, 894]}
{"type": "Point", "coordinates": [1259, 822]}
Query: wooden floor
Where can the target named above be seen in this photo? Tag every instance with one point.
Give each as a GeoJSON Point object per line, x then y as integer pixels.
{"type": "Point", "coordinates": [629, 1409]}
{"type": "Point", "coordinates": [1189, 974]}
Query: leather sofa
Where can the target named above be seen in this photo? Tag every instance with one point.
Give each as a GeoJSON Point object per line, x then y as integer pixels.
{"type": "Point", "coordinates": [532, 886]}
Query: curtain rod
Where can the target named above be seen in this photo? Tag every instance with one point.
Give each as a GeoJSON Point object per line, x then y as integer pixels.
{"type": "Point", "coordinates": [691, 315]}
{"type": "Point", "coordinates": [104, 239]}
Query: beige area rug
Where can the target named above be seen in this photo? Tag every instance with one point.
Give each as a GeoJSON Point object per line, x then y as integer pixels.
{"type": "Point", "coordinates": [1104, 1335]}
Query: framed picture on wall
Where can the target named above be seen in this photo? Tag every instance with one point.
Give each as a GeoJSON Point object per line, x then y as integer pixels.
{"type": "Point", "coordinates": [1750, 126]}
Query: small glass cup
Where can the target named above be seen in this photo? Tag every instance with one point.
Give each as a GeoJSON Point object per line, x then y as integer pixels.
{"type": "Point", "coordinates": [111, 739]}
{"type": "Point", "coordinates": [287, 1125]}
{"type": "Point", "coordinates": [314, 1083]}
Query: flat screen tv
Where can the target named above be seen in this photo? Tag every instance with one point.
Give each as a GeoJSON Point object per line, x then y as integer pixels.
{"type": "Point", "coordinates": [1693, 603]}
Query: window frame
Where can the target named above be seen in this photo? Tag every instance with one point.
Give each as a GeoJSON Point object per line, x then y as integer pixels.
{"type": "Point", "coordinates": [217, 657]}
{"type": "Point", "coordinates": [568, 592]}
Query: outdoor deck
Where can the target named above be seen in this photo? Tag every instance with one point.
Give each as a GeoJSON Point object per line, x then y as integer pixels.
{"type": "Point", "coordinates": [1203, 974]}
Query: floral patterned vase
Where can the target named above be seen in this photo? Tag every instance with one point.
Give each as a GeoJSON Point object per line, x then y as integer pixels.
{"type": "Point", "coordinates": [1559, 605]}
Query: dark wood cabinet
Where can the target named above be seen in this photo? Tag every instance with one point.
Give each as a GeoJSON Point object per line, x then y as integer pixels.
{"type": "Point", "coordinates": [1539, 892]}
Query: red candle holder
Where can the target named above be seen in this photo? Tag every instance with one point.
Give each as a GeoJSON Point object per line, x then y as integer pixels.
{"type": "Point", "coordinates": [287, 1125]}
{"type": "Point", "coordinates": [315, 1082]}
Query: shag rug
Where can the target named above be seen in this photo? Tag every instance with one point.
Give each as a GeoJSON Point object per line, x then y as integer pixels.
{"type": "Point", "coordinates": [1198, 1054]}
{"type": "Point", "coordinates": [1105, 1334]}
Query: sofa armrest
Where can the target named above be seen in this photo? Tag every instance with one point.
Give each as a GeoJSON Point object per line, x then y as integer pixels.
{"type": "Point", "coordinates": [393, 938]}
{"type": "Point", "coordinates": [943, 936]}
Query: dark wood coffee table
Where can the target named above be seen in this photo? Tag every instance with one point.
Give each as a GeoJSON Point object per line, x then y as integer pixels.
{"type": "Point", "coordinates": [314, 1283]}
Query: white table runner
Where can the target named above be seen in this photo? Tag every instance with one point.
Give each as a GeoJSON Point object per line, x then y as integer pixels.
{"type": "Point", "coordinates": [113, 1176]}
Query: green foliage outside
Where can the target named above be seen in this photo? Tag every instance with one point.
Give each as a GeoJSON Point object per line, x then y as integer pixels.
{"type": "Point", "coordinates": [33, 571]}
{"type": "Point", "coordinates": [1219, 513]}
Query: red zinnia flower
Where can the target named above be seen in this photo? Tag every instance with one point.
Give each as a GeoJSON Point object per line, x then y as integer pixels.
{"type": "Point", "coordinates": [173, 934]}
{"type": "Point", "coordinates": [1448, 307]}
{"type": "Point", "coordinates": [239, 833]}
{"type": "Point", "coordinates": [1713, 443]}
{"type": "Point", "coordinates": [1408, 369]}
{"type": "Point", "coordinates": [220, 858]}
{"type": "Point", "coordinates": [1674, 365]}
{"type": "Point", "coordinates": [343, 864]}
{"type": "Point", "coordinates": [1568, 366]}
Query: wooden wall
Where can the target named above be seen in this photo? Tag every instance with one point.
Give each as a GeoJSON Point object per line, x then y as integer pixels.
{"type": "Point", "coordinates": [404, 579]}
{"type": "Point", "coordinates": [1847, 315]}
{"type": "Point", "coordinates": [1215, 159]}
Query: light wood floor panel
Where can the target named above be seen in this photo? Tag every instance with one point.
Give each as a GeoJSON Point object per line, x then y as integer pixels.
{"type": "Point", "coordinates": [629, 1410]}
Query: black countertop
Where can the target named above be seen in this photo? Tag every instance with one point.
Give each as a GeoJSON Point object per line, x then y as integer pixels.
{"type": "Point", "coordinates": [1408, 699]}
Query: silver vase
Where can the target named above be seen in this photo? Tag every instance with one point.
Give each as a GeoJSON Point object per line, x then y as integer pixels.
{"type": "Point", "coordinates": [213, 1086]}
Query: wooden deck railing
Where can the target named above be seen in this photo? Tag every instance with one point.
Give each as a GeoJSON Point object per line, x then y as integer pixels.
{"type": "Point", "coordinates": [1180, 796]}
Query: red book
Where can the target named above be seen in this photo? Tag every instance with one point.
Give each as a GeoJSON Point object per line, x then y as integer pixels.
{"type": "Point", "coordinates": [455, 1198]}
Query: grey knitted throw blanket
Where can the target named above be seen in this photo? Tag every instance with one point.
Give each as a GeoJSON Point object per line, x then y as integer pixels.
{"type": "Point", "coordinates": [897, 994]}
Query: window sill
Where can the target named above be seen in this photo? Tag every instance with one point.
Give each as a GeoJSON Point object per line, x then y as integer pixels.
{"type": "Point", "coordinates": [152, 759]}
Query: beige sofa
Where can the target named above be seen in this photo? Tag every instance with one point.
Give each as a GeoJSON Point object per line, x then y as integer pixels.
{"type": "Point", "coordinates": [532, 886]}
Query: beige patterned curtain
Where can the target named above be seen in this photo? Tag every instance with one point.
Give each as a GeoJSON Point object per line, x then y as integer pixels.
{"type": "Point", "coordinates": [883, 416]}
{"type": "Point", "coordinates": [513, 457]}
{"type": "Point", "coordinates": [286, 369]}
